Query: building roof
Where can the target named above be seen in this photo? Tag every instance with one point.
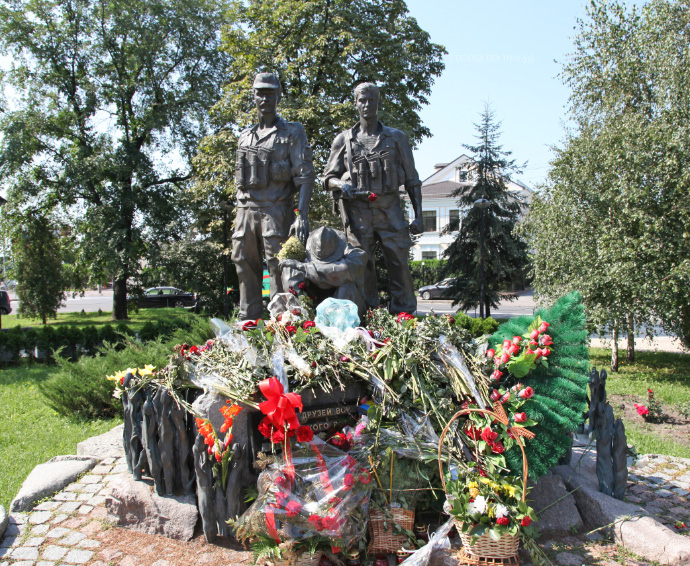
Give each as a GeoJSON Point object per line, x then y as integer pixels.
{"type": "Point", "coordinates": [440, 190]}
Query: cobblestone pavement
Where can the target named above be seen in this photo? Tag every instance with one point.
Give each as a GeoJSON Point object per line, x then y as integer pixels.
{"type": "Point", "coordinates": [71, 528]}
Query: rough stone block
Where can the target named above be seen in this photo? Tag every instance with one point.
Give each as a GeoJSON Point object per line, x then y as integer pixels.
{"type": "Point", "coordinates": [104, 446]}
{"type": "Point", "coordinates": [135, 505]}
{"type": "Point", "coordinates": [49, 478]}
{"type": "Point", "coordinates": [4, 521]}
{"type": "Point", "coordinates": [562, 516]}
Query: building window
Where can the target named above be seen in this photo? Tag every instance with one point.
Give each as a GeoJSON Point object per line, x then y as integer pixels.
{"type": "Point", "coordinates": [429, 218]}
{"type": "Point", "coordinates": [429, 255]}
{"type": "Point", "coordinates": [454, 220]}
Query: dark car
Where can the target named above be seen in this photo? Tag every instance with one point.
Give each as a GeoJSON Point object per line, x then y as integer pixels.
{"type": "Point", "coordinates": [436, 291]}
{"type": "Point", "coordinates": [165, 297]}
{"type": "Point", "coordinates": [5, 307]}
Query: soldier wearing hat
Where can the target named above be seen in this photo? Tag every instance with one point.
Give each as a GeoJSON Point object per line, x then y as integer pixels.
{"type": "Point", "coordinates": [333, 266]}
{"type": "Point", "coordinates": [367, 166]}
{"type": "Point", "coordinates": [274, 162]}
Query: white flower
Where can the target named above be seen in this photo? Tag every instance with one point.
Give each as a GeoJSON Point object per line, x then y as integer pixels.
{"type": "Point", "coordinates": [477, 506]}
{"type": "Point", "coordinates": [501, 511]}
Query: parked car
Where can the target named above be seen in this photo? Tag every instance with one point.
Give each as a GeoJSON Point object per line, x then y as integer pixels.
{"type": "Point", "coordinates": [165, 297]}
{"type": "Point", "coordinates": [5, 307]}
{"type": "Point", "coordinates": [437, 290]}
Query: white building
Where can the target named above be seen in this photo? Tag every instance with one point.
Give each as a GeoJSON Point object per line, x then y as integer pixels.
{"type": "Point", "coordinates": [441, 213]}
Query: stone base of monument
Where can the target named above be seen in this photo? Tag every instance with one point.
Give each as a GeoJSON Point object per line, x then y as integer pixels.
{"type": "Point", "coordinates": [135, 505]}
{"type": "Point", "coordinates": [555, 505]}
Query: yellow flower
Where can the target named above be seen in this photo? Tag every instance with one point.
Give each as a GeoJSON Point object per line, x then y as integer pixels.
{"type": "Point", "coordinates": [472, 484]}
{"type": "Point", "coordinates": [474, 492]}
{"type": "Point", "coordinates": [485, 480]}
{"type": "Point", "coordinates": [148, 369]}
{"type": "Point", "coordinates": [510, 490]}
{"type": "Point", "coordinates": [493, 485]}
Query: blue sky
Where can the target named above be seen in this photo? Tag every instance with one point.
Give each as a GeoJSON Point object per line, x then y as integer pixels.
{"type": "Point", "coordinates": [508, 53]}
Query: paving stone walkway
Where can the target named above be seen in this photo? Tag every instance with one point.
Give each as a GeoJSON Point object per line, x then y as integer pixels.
{"type": "Point", "coordinates": [71, 528]}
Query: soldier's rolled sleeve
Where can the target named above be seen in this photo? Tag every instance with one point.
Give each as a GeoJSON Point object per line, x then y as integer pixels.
{"type": "Point", "coordinates": [301, 157]}
{"type": "Point", "coordinates": [336, 166]}
{"type": "Point", "coordinates": [407, 160]}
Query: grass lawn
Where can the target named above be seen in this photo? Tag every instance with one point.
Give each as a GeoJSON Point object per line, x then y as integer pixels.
{"type": "Point", "coordinates": [135, 321]}
{"type": "Point", "coordinates": [668, 375]}
{"type": "Point", "coordinates": [30, 432]}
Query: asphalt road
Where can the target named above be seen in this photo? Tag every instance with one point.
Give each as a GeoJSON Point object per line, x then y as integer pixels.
{"type": "Point", "coordinates": [522, 305]}
{"type": "Point", "coordinates": [90, 302]}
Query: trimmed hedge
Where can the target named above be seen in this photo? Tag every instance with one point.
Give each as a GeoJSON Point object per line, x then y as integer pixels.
{"type": "Point", "coordinates": [73, 342]}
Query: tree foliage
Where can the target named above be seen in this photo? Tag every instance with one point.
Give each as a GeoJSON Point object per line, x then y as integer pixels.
{"type": "Point", "coordinates": [38, 268]}
{"type": "Point", "coordinates": [112, 98]}
{"type": "Point", "coordinates": [505, 254]}
{"type": "Point", "coordinates": [612, 220]}
{"type": "Point", "coordinates": [320, 50]}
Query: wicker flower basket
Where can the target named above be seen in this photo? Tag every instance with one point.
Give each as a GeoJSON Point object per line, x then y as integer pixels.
{"type": "Point", "coordinates": [381, 529]}
{"type": "Point", "coordinates": [303, 560]}
{"type": "Point", "coordinates": [485, 549]}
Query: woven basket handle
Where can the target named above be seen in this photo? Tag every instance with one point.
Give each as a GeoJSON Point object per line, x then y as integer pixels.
{"type": "Point", "coordinates": [496, 415]}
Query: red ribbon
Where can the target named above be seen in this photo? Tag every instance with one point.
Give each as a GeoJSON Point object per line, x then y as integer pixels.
{"type": "Point", "coordinates": [271, 524]}
{"type": "Point", "coordinates": [279, 407]}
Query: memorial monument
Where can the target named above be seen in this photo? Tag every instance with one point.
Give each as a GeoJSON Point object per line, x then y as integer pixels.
{"type": "Point", "coordinates": [274, 161]}
{"type": "Point", "coordinates": [367, 166]}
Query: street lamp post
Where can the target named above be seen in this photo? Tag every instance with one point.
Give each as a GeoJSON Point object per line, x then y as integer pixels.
{"type": "Point", "coordinates": [226, 207]}
{"type": "Point", "coordinates": [482, 204]}
{"type": "Point", "coordinates": [423, 275]}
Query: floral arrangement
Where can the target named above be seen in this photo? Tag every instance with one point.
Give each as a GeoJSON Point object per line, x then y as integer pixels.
{"type": "Point", "coordinates": [220, 451]}
{"type": "Point", "coordinates": [147, 372]}
{"type": "Point", "coordinates": [293, 248]}
{"type": "Point", "coordinates": [484, 504]}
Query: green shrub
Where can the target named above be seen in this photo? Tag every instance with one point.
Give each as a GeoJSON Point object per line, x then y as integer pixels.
{"type": "Point", "coordinates": [477, 327]}
{"type": "Point", "coordinates": [432, 272]}
{"type": "Point", "coordinates": [89, 338]}
{"type": "Point", "coordinates": [107, 334]}
{"type": "Point", "coordinates": [148, 332]}
{"type": "Point", "coordinates": [80, 388]}
{"type": "Point", "coordinates": [45, 339]}
{"type": "Point", "coordinates": [29, 338]}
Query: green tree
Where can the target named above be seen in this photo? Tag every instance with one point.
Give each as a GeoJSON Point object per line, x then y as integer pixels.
{"type": "Point", "coordinates": [612, 220]}
{"type": "Point", "coordinates": [113, 97]}
{"type": "Point", "coordinates": [486, 255]}
{"type": "Point", "coordinates": [38, 267]}
{"type": "Point", "coordinates": [320, 51]}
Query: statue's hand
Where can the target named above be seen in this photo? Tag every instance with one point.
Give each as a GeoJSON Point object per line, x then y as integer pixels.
{"type": "Point", "coordinates": [293, 263]}
{"type": "Point", "coordinates": [416, 226]}
{"type": "Point", "coordinates": [300, 228]}
{"type": "Point", "coordinates": [347, 191]}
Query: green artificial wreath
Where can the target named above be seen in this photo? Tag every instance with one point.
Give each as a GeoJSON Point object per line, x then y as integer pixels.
{"type": "Point", "coordinates": [560, 391]}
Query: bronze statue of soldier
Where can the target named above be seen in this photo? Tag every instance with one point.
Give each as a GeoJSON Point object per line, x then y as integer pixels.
{"type": "Point", "coordinates": [367, 166]}
{"type": "Point", "coordinates": [274, 162]}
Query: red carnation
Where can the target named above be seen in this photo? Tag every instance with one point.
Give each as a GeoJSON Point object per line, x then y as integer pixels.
{"type": "Point", "coordinates": [543, 326]}
{"type": "Point", "coordinates": [526, 521]}
{"type": "Point", "coordinates": [505, 358]}
{"type": "Point", "coordinates": [316, 522]}
{"type": "Point", "coordinates": [498, 448]}
{"type": "Point", "coordinates": [194, 350]}
{"type": "Point", "coordinates": [495, 395]}
{"type": "Point", "coordinates": [290, 329]}
{"type": "Point", "coordinates": [526, 393]}
{"type": "Point", "coordinates": [505, 521]}
{"type": "Point", "coordinates": [496, 375]}
{"type": "Point", "coordinates": [534, 334]}
{"type": "Point", "coordinates": [302, 286]}
{"type": "Point", "coordinates": [308, 324]}
{"type": "Point", "coordinates": [348, 481]}
{"type": "Point", "coordinates": [517, 339]}
{"type": "Point", "coordinates": [293, 508]}
{"type": "Point", "coordinates": [365, 477]}
{"type": "Point", "coordinates": [265, 427]}
{"type": "Point", "coordinates": [305, 434]}
{"type": "Point", "coordinates": [281, 481]}
{"type": "Point", "coordinates": [404, 317]}
{"type": "Point", "coordinates": [520, 417]}
{"type": "Point", "coordinates": [506, 344]}
{"type": "Point", "coordinates": [372, 197]}
{"type": "Point", "coordinates": [489, 435]}
{"type": "Point", "coordinates": [490, 353]}
{"type": "Point", "coordinates": [249, 325]}
{"type": "Point", "coordinates": [330, 522]}
{"type": "Point", "coordinates": [451, 319]}
{"type": "Point", "coordinates": [278, 436]}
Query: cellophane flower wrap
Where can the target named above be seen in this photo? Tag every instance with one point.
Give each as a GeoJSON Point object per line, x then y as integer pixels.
{"type": "Point", "coordinates": [324, 492]}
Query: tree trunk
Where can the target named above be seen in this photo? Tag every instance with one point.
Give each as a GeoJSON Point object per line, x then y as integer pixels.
{"type": "Point", "coordinates": [614, 348]}
{"type": "Point", "coordinates": [630, 353]}
{"type": "Point", "coordinates": [487, 310]}
{"type": "Point", "coordinates": [120, 298]}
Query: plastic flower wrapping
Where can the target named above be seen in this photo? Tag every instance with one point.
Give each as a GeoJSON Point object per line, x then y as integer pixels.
{"type": "Point", "coordinates": [323, 492]}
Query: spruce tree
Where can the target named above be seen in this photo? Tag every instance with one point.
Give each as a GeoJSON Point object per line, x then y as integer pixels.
{"type": "Point", "coordinates": [485, 255]}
